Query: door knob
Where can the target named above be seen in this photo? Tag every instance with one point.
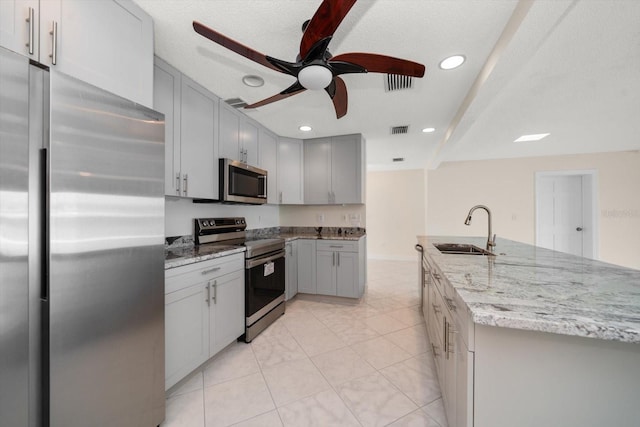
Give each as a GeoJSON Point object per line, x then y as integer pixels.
{"type": "Point", "coordinates": [579, 229]}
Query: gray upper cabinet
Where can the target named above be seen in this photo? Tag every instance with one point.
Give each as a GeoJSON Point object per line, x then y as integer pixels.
{"type": "Point", "coordinates": [238, 136]}
{"type": "Point", "coordinates": [334, 170]}
{"type": "Point", "coordinates": [198, 150]}
{"type": "Point", "coordinates": [166, 99]}
{"type": "Point", "coordinates": [108, 44]}
{"type": "Point", "coordinates": [290, 171]}
{"type": "Point", "coordinates": [191, 120]}
{"type": "Point", "coordinates": [268, 160]}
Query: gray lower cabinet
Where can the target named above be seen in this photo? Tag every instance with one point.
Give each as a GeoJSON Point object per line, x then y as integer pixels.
{"type": "Point", "coordinates": [307, 266]}
{"type": "Point", "coordinates": [331, 267]}
{"type": "Point", "coordinates": [339, 270]}
{"type": "Point", "coordinates": [291, 274]}
{"type": "Point", "coordinates": [204, 312]}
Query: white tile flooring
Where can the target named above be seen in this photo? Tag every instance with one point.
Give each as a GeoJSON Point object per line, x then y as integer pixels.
{"type": "Point", "coordinates": [325, 362]}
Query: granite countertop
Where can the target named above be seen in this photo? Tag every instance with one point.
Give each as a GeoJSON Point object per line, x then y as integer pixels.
{"type": "Point", "coordinates": [185, 252]}
{"type": "Point", "coordinates": [178, 257]}
{"type": "Point", "coordinates": [531, 288]}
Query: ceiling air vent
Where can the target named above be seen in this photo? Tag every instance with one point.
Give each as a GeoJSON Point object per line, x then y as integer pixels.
{"type": "Point", "coordinates": [236, 102]}
{"type": "Point", "coordinates": [397, 130]}
{"type": "Point", "coordinates": [397, 82]}
{"type": "Point", "coordinates": [398, 159]}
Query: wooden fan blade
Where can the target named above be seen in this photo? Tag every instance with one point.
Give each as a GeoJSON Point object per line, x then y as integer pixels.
{"type": "Point", "coordinates": [234, 46]}
{"type": "Point", "coordinates": [294, 89]}
{"type": "Point", "coordinates": [375, 63]}
{"type": "Point", "coordinates": [324, 23]}
{"type": "Point", "coordinates": [337, 90]}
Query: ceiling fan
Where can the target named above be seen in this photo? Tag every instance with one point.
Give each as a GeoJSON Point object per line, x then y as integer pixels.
{"type": "Point", "coordinates": [315, 68]}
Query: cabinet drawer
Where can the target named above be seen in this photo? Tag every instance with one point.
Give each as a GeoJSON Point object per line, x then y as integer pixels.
{"type": "Point", "coordinates": [182, 277]}
{"type": "Point", "coordinates": [337, 245]}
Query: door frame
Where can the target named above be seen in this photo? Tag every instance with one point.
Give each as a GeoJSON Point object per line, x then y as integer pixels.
{"type": "Point", "coordinates": [591, 239]}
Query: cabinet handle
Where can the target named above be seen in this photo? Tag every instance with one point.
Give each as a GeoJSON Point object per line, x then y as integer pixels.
{"type": "Point", "coordinates": [338, 258]}
{"type": "Point", "coordinates": [436, 307]}
{"type": "Point", "coordinates": [434, 350]}
{"type": "Point", "coordinates": [450, 303]}
{"type": "Point", "coordinates": [436, 276]}
{"type": "Point", "coordinates": [208, 288]}
{"type": "Point", "coordinates": [211, 270]}
{"type": "Point", "coordinates": [280, 197]}
{"type": "Point", "coordinates": [215, 292]}
{"type": "Point", "coordinates": [32, 29]}
{"type": "Point", "coordinates": [336, 246]}
{"type": "Point", "coordinates": [445, 345]}
{"type": "Point", "coordinates": [54, 43]}
{"type": "Point", "coordinates": [185, 181]}
{"type": "Point", "coordinates": [178, 183]}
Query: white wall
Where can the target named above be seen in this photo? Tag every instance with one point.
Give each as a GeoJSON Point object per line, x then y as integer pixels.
{"type": "Point", "coordinates": [334, 216]}
{"type": "Point", "coordinates": [507, 187]}
{"type": "Point", "coordinates": [179, 215]}
{"type": "Point", "coordinates": [395, 213]}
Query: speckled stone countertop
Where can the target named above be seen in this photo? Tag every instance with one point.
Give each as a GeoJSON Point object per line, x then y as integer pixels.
{"type": "Point", "coordinates": [178, 257]}
{"type": "Point", "coordinates": [180, 250]}
{"type": "Point", "coordinates": [531, 288]}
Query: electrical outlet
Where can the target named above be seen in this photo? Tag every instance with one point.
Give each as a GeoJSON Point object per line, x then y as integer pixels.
{"type": "Point", "coordinates": [320, 218]}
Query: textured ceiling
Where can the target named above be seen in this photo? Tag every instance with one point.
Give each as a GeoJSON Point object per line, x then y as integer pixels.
{"type": "Point", "coordinates": [570, 68]}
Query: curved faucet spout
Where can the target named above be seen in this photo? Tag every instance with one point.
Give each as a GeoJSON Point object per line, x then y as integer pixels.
{"type": "Point", "coordinates": [491, 242]}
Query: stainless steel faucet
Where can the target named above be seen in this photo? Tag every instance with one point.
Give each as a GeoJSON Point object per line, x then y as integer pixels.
{"type": "Point", "coordinates": [491, 242]}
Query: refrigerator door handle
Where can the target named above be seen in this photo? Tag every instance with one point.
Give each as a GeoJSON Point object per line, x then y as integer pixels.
{"type": "Point", "coordinates": [44, 224]}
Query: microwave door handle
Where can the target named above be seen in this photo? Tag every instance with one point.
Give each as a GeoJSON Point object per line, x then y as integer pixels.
{"type": "Point", "coordinates": [264, 186]}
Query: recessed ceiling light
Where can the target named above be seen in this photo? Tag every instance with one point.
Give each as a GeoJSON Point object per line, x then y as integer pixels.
{"type": "Point", "coordinates": [428, 130]}
{"type": "Point", "coordinates": [305, 128]}
{"type": "Point", "coordinates": [532, 137]}
{"type": "Point", "coordinates": [253, 80]}
{"type": "Point", "coordinates": [452, 62]}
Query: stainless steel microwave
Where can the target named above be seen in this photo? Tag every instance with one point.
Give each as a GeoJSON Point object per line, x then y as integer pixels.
{"type": "Point", "coordinates": [242, 183]}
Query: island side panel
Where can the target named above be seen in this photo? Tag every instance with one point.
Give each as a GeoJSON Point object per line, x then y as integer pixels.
{"type": "Point", "coordinates": [527, 378]}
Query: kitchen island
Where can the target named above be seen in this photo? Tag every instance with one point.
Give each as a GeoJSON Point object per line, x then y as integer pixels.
{"type": "Point", "coordinates": [532, 337]}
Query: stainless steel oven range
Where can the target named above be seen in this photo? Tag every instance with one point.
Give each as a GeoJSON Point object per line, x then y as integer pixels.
{"type": "Point", "coordinates": [264, 269]}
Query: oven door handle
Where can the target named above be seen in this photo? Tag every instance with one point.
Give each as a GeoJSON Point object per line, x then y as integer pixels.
{"type": "Point", "coordinates": [258, 261]}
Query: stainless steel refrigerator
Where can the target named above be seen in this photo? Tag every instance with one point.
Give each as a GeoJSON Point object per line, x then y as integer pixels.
{"type": "Point", "coordinates": [81, 253]}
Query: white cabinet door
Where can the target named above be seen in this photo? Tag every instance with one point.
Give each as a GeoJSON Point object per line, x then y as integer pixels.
{"type": "Point", "coordinates": [18, 31]}
{"type": "Point", "coordinates": [290, 171]}
{"type": "Point", "coordinates": [347, 274]}
{"type": "Point", "coordinates": [229, 132]}
{"type": "Point", "coordinates": [346, 167]}
{"type": "Point", "coordinates": [166, 99]}
{"type": "Point", "coordinates": [292, 269]}
{"type": "Point", "coordinates": [199, 157]}
{"type": "Point", "coordinates": [317, 171]}
{"type": "Point", "coordinates": [248, 142]}
{"type": "Point", "coordinates": [268, 160]}
{"type": "Point", "coordinates": [108, 44]}
{"type": "Point", "coordinates": [227, 310]}
{"type": "Point", "coordinates": [186, 332]}
{"type": "Point", "coordinates": [307, 266]}
{"type": "Point", "coordinates": [326, 273]}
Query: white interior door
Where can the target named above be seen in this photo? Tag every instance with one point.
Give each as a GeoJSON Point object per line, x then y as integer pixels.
{"type": "Point", "coordinates": [560, 221]}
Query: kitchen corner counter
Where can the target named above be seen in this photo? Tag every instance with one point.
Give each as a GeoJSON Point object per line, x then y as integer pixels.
{"type": "Point", "coordinates": [531, 288]}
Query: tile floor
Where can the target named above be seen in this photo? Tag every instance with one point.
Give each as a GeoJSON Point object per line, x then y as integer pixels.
{"type": "Point", "coordinates": [325, 362]}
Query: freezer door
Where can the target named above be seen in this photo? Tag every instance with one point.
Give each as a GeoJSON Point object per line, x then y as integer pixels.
{"type": "Point", "coordinates": [106, 273]}
{"type": "Point", "coordinates": [14, 292]}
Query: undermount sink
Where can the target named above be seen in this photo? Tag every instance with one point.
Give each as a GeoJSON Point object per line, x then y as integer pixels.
{"type": "Point", "coordinates": [461, 249]}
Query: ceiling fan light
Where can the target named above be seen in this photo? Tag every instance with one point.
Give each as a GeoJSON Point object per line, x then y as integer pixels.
{"type": "Point", "coordinates": [315, 77]}
{"type": "Point", "coordinates": [452, 62]}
